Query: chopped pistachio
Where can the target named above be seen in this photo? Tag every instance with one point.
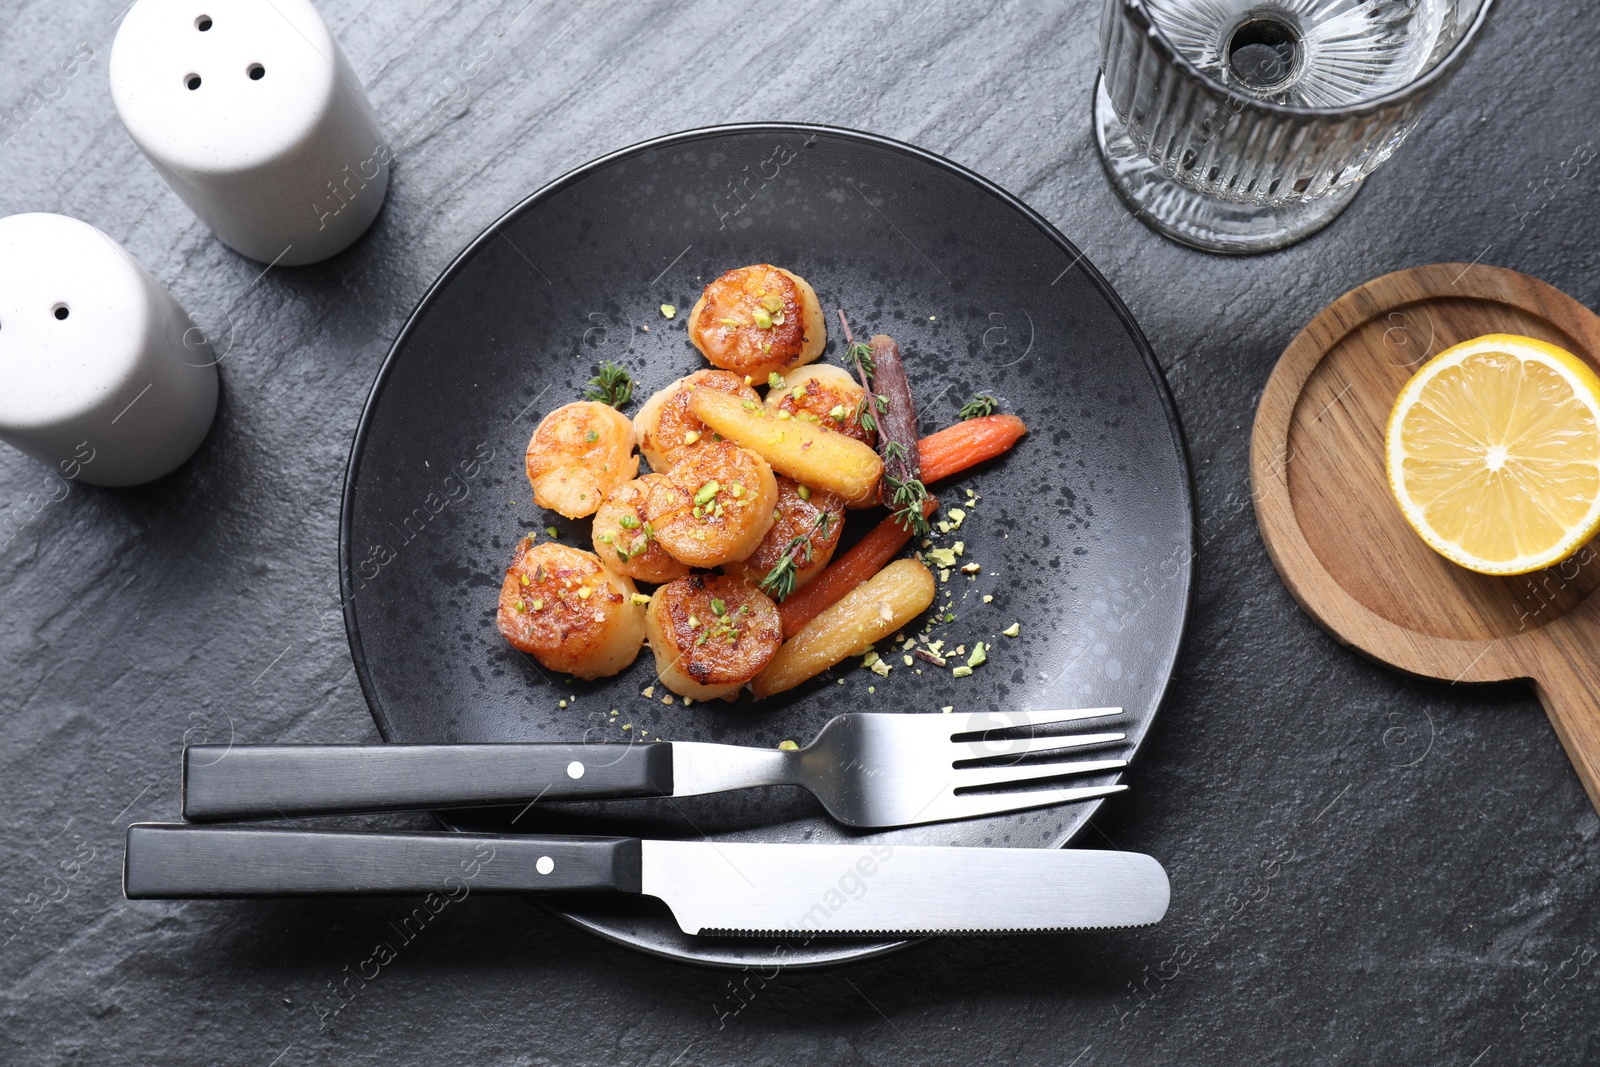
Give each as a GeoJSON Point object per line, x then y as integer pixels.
{"type": "Point", "coordinates": [948, 708]}
{"type": "Point", "coordinates": [957, 517]}
{"type": "Point", "coordinates": [942, 557]}
{"type": "Point", "coordinates": [538, 603]}
{"type": "Point", "coordinates": [729, 322]}
{"type": "Point", "coordinates": [707, 493]}
{"type": "Point", "coordinates": [562, 704]}
{"type": "Point", "coordinates": [649, 691]}
{"type": "Point", "coordinates": [961, 672]}
{"type": "Point", "coordinates": [667, 700]}
{"type": "Point", "coordinates": [591, 437]}
{"type": "Point", "coordinates": [694, 622]}
{"type": "Point", "coordinates": [788, 746]}
{"type": "Point", "coordinates": [628, 522]}
{"type": "Point", "coordinates": [907, 660]}
{"type": "Point", "coordinates": [604, 538]}
{"type": "Point", "coordinates": [552, 531]}
{"type": "Point", "coordinates": [737, 490]}
{"type": "Point", "coordinates": [640, 599]}
{"type": "Point", "coordinates": [988, 599]}
{"type": "Point", "coordinates": [627, 726]}
{"type": "Point", "coordinates": [775, 380]}
{"type": "Point", "coordinates": [783, 415]}
{"type": "Point", "coordinates": [959, 547]}
{"type": "Point", "coordinates": [523, 578]}
{"type": "Point", "coordinates": [719, 607]}
{"type": "Point", "coordinates": [943, 527]}
{"type": "Point", "coordinates": [748, 405]}
{"type": "Point", "coordinates": [585, 593]}
{"type": "Point", "coordinates": [1014, 630]}
{"type": "Point", "coordinates": [804, 492]}
{"type": "Point", "coordinates": [944, 574]}
{"type": "Point", "coordinates": [668, 311]}
{"type": "Point", "coordinates": [519, 605]}
{"type": "Point", "coordinates": [872, 689]}
{"type": "Point", "coordinates": [748, 380]}
{"type": "Point", "coordinates": [763, 319]}
{"type": "Point", "coordinates": [971, 568]}
{"type": "Point", "coordinates": [772, 302]}
{"type": "Point", "coordinates": [691, 436]}
{"type": "Point", "coordinates": [837, 413]}
{"type": "Point", "coordinates": [980, 655]}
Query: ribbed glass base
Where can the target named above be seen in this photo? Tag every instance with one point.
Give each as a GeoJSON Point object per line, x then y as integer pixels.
{"type": "Point", "coordinates": [1191, 218]}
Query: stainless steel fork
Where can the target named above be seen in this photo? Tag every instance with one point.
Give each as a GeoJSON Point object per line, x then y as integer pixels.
{"type": "Point", "coordinates": [867, 769]}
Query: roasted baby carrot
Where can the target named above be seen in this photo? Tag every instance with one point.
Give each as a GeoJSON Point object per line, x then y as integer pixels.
{"type": "Point", "coordinates": [868, 557]}
{"type": "Point", "coordinates": [966, 444]}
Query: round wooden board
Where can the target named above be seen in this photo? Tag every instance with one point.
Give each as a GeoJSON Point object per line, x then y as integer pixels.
{"type": "Point", "coordinates": [1338, 540]}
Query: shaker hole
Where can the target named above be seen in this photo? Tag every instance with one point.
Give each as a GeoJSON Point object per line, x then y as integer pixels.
{"type": "Point", "coordinates": [192, 80]}
{"type": "Point", "coordinates": [60, 311]}
{"type": "Point", "coordinates": [256, 71]}
{"type": "Point", "coordinates": [203, 23]}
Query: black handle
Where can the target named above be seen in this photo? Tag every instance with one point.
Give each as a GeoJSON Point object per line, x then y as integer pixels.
{"type": "Point", "coordinates": [165, 862]}
{"type": "Point", "coordinates": [276, 781]}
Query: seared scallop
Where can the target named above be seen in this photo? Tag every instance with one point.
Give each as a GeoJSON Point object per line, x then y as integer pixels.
{"type": "Point", "coordinates": [665, 427]}
{"type": "Point", "coordinates": [626, 542]}
{"type": "Point", "coordinates": [562, 607]}
{"type": "Point", "coordinates": [756, 320]}
{"type": "Point", "coordinates": [800, 510]}
{"type": "Point", "coordinates": [713, 506]}
{"type": "Point", "coordinates": [580, 452]}
{"type": "Point", "coordinates": [826, 395]}
{"type": "Point", "coordinates": [711, 634]}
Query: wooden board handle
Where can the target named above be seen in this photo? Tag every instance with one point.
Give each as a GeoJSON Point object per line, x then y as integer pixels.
{"type": "Point", "coordinates": [1568, 685]}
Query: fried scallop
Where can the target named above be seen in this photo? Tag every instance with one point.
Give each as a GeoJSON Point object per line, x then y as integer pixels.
{"type": "Point", "coordinates": [756, 320]}
{"type": "Point", "coordinates": [799, 508]}
{"type": "Point", "coordinates": [665, 427]}
{"type": "Point", "coordinates": [711, 634]}
{"type": "Point", "coordinates": [625, 542]}
{"type": "Point", "coordinates": [561, 606]}
{"type": "Point", "coordinates": [826, 395]}
{"type": "Point", "coordinates": [713, 506]}
{"type": "Point", "coordinates": [579, 452]}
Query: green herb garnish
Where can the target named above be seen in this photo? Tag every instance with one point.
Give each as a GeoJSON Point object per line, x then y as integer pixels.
{"type": "Point", "coordinates": [979, 406]}
{"type": "Point", "coordinates": [613, 385]}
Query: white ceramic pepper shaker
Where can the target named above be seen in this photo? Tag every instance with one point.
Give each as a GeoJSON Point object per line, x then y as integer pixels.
{"type": "Point", "coordinates": [102, 375]}
{"type": "Point", "coordinates": [252, 113]}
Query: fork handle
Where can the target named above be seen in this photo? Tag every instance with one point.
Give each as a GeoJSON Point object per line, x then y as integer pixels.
{"type": "Point", "coordinates": [277, 781]}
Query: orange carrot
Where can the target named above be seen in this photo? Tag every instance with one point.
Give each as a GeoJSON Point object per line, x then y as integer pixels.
{"type": "Point", "coordinates": [867, 558]}
{"type": "Point", "coordinates": [966, 444]}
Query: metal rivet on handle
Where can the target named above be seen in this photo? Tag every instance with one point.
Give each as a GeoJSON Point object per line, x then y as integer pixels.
{"type": "Point", "coordinates": [545, 865]}
{"type": "Point", "coordinates": [574, 769]}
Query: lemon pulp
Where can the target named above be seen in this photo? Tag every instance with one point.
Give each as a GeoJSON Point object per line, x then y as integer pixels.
{"type": "Point", "coordinates": [1493, 454]}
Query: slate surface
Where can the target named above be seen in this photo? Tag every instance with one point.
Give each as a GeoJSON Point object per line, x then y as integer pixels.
{"type": "Point", "coordinates": [1366, 868]}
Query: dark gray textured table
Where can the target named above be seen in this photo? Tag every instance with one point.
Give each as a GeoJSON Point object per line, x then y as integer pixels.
{"type": "Point", "coordinates": [1366, 868]}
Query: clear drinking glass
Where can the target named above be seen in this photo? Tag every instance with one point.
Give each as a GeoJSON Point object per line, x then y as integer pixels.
{"type": "Point", "coordinates": [1247, 125]}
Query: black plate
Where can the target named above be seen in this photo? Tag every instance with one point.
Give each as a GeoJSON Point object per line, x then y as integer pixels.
{"type": "Point", "coordinates": [1085, 532]}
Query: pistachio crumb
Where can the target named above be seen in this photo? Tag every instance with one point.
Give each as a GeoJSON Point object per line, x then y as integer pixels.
{"type": "Point", "coordinates": [649, 691]}
{"type": "Point", "coordinates": [988, 599]}
{"type": "Point", "coordinates": [948, 708]}
{"type": "Point", "coordinates": [1013, 630]}
{"type": "Point", "coordinates": [961, 672]}
{"type": "Point", "coordinates": [788, 746]}
{"type": "Point", "coordinates": [668, 311]}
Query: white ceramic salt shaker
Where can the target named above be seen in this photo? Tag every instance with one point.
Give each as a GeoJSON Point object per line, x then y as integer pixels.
{"type": "Point", "coordinates": [102, 375]}
{"type": "Point", "coordinates": [252, 113]}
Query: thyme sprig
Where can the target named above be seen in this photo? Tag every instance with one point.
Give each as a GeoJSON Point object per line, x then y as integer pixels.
{"type": "Point", "coordinates": [979, 406]}
{"type": "Point", "coordinates": [909, 493]}
{"type": "Point", "coordinates": [780, 580]}
{"type": "Point", "coordinates": [613, 385]}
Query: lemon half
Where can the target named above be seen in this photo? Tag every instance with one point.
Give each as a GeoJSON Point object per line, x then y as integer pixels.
{"type": "Point", "coordinates": [1493, 453]}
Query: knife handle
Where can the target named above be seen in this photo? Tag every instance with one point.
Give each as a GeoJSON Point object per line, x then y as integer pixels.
{"type": "Point", "coordinates": [168, 862]}
{"type": "Point", "coordinates": [277, 781]}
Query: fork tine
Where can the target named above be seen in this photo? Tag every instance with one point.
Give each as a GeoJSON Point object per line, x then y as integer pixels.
{"type": "Point", "coordinates": [975, 804]}
{"type": "Point", "coordinates": [972, 777]}
{"type": "Point", "coordinates": [982, 721]}
{"type": "Point", "coordinates": [1028, 746]}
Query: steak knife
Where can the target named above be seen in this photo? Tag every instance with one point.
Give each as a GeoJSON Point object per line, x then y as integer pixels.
{"type": "Point", "coordinates": [712, 887]}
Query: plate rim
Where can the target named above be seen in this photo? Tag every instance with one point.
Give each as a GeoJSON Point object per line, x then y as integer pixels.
{"type": "Point", "coordinates": [347, 592]}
